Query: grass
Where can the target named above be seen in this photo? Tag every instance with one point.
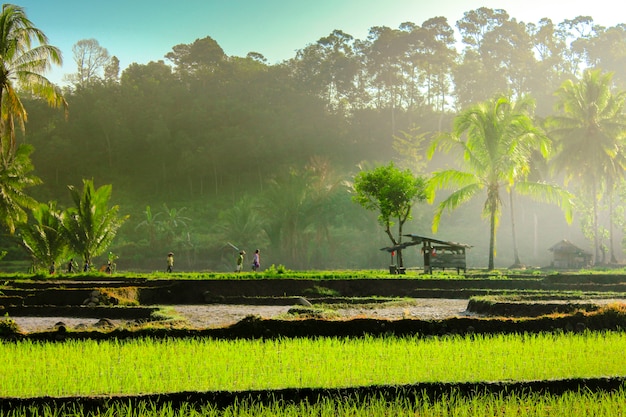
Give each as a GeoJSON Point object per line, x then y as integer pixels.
{"type": "Point", "coordinates": [280, 272]}
{"type": "Point", "coordinates": [270, 273]}
{"type": "Point", "coordinates": [139, 366]}
{"type": "Point", "coordinates": [542, 295]}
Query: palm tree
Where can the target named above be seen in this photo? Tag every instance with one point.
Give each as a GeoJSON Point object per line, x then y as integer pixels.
{"type": "Point", "coordinates": [15, 176]}
{"type": "Point", "coordinates": [499, 135]}
{"type": "Point", "coordinates": [288, 204]}
{"type": "Point", "coordinates": [21, 67]}
{"type": "Point", "coordinates": [91, 224]}
{"type": "Point", "coordinates": [44, 239]}
{"type": "Point", "coordinates": [150, 224]}
{"type": "Point", "coordinates": [243, 224]}
{"type": "Point", "coordinates": [174, 223]}
{"type": "Point", "coordinates": [589, 134]}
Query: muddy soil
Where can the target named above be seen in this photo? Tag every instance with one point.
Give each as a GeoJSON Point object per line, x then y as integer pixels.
{"type": "Point", "coordinates": [222, 315]}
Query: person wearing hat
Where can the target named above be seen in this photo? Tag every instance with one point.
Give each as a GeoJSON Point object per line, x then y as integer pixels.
{"type": "Point", "coordinates": [240, 261]}
{"type": "Point", "coordinates": [170, 262]}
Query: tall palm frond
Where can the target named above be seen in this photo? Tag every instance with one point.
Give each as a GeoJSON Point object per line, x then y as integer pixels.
{"type": "Point", "coordinates": [22, 65]}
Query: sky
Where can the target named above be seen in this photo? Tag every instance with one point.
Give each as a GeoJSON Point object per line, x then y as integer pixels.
{"type": "Point", "coordinates": [140, 31]}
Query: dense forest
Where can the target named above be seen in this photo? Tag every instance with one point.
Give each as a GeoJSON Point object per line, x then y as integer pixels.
{"type": "Point", "coordinates": [204, 149]}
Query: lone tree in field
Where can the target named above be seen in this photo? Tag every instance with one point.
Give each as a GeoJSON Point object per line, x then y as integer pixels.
{"type": "Point", "coordinates": [392, 193]}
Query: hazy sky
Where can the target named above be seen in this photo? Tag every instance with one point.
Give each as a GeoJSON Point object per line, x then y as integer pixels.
{"type": "Point", "coordinates": [145, 30]}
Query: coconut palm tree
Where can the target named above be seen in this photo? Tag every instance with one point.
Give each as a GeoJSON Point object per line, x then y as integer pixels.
{"type": "Point", "coordinates": [495, 138]}
{"type": "Point", "coordinates": [25, 55]}
{"type": "Point", "coordinates": [91, 224]}
{"type": "Point", "coordinates": [22, 63]}
{"type": "Point", "coordinates": [589, 133]}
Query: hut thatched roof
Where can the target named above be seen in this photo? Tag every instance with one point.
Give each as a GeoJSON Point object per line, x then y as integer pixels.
{"type": "Point", "coordinates": [565, 246]}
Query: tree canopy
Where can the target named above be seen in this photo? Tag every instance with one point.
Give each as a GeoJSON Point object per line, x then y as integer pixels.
{"type": "Point", "coordinates": [392, 193]}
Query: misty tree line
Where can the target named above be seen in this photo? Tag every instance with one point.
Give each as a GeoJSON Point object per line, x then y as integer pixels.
{"type": "Point", "coordinates": [259, 154]}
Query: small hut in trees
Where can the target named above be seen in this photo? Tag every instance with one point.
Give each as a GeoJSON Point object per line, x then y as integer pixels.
{"type": "Point", "coordinates": [566, 255]}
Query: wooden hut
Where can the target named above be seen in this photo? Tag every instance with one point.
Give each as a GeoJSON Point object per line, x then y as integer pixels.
{"type": "Point", "coordinates": [566, 255]}
{"type": "Point", "coordinates": [437, 254]}
{"type": "Point", "coordinates": [442, 254]}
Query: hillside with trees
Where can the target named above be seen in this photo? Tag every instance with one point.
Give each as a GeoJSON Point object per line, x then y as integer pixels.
{"type": "Point", "coordinates": [203, 149]}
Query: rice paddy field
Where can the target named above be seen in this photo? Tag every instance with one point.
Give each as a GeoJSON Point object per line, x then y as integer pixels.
{"type": "Point", "coordinates": [562, 371]}
{"type": "Point", "coordinates": [87, 368]}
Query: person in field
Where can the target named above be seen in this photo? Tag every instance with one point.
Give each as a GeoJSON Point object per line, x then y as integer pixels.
{"type": "Point", "coordinates": [256, 260]}
{"type": "Point", "coordinates": [170, 262]}
{"type": "Point", "coordinates": [239, 265]}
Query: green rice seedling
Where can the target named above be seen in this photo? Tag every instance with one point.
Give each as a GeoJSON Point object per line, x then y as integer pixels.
{"type": "Point", "coordinates": [571, 404]}
{"type": "Point", "coordinates": [142, 366]}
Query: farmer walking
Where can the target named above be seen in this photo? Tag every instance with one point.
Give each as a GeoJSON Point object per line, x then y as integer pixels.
{"type": "Point", "coordinates": [256, 261]}
{"type": "Point", "coordinates": [170, 262]}
{"type": "Point", "coordinates": [239, 265]}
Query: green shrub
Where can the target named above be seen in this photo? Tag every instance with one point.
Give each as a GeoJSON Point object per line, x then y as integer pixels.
{"type": "Point", "coordinates": [322, 291]}
{"type": "Point", "coordinates": [8, 326]}
{"type": "Point", "coordinates": [276, 270]}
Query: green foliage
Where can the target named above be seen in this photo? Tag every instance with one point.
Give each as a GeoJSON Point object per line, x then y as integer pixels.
{"type": "Point", "coordinates": [15, 177]}
{"type": "Point", "coordinates": [392, 193]}
{"type": "Point", "coordinates": [302, 208]}
{"type": "Point", "coordinates": [244, 224]}
{"type": "Point", "coordinates": [389, 191]}
{"type": "Point", "coordinates": [173, 223]}
{"type": "Point", "coordinates": [8, 326]}
{"type": "Point", "coordinates": [496, 139]}
{"type": "Point", "coordinates": [23, 64]}
{"type": "Point", "coordinates": [589, 133]}
{"type": "Point", "coordinates": [321, 291]}
{"type": "Point", "coordinates": [44, 239]}
{"type": "Point", "coordinates": [304, 312]}
{"type": "Point", "coordinates": [150, 225]}
{"type": "Point", "coordinates": [91, 224]}
{"type": "Point", "coordinates": [276, 270]}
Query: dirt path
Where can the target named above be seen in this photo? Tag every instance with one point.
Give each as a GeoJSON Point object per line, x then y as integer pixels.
{"type": "Point", "coordinates": [224, 315]}
{"type": "Point", "coordinates": [221, 315]}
